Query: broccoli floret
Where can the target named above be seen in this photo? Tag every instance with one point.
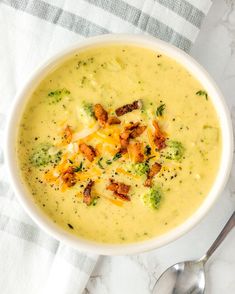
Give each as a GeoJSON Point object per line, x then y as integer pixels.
{"type": "Point", "coordinates": [88, 108]}
{"type": "Point", "coordinates": [174, 150]}
{"type": "Point", "coordinates": [57, 95]}
{"type": "Point", "coordinates": [141, 168]}
{"type": "Point", "coordinates": [41, 156]}
{"type": "Point", "coordinates": [153, 198]}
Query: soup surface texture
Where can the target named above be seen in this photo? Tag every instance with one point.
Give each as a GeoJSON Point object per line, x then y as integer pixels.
{"type": "Point", "coordinates": [119, 144]}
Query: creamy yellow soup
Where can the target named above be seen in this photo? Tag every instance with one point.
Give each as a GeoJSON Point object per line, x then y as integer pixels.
{"type": "Point", "coordinates": [174, 128]}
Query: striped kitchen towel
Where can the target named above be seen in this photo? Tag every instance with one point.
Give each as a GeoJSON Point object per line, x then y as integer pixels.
{"type": "Point", "coordinates": [31, 262]}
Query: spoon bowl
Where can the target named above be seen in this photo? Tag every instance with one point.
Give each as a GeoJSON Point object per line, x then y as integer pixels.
{"type": "Point", "coordinates": [184, 277]}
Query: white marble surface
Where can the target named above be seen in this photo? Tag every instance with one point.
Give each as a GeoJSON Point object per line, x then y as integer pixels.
{"type": "Point", "coordinates": [215, 50]}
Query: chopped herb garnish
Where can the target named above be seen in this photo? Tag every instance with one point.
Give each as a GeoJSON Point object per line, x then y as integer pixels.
{"type": "Point", "coordinates": [202, 93]}
{"type": "Point", "coordinates": [57, 95]}
{"type": "Point", "coordinates": [160, 110]}
{"type": "Point", "coordinates": [70, 161]}
{"type": "Point", "coordinates": [147, 150]}
{"type": "Point", "coordinates": [108, 161]}
{"type": "Point", "coordinates": [84, 62]}
{"type": "Point", "coordinates": [99, 163]}
{"type": "Point", "coordinates": [117, 156]}
{"type": "Point", "coordinates": [70, 226]}
{"type": "Point", "coordinates": [78, 168]}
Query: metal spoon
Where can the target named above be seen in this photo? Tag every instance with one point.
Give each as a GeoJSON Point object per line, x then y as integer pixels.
{"type": "Point", "coordinates": [189, 277]}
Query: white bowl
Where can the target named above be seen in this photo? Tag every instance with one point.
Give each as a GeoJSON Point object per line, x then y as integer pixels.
{"type": "Point", "coordinates": [85, 245]}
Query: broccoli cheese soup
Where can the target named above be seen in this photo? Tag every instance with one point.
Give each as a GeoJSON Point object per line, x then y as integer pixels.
{"type": "Point", "coordinates": [119, 144]}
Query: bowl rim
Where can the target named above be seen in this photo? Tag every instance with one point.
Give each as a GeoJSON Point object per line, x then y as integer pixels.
{"type": "Point", "coordinates": [60, 234]}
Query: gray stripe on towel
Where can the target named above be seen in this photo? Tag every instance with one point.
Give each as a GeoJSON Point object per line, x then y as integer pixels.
{"type": "Point", "coordinates": [185, 9]}
{"type": "Point", "coordinates": [56, 15]}
{"type": "Point", "coordinates": [143, 21]}
{"type": "Point", "coordinates": [86, 28]}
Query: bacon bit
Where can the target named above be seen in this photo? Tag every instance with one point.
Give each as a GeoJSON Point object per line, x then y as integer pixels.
{"type": "Point", "coordinates": [69, 176]}
{"type": "Point", "coordinates": [124, 141]}
{"type": "Point", "coordinates": [123, 189]}
{"type": "Point", "coordinates": [113, 120]}
{"type": "Point", "coordinates": [68, 134]}
{"type": "Point", "coordinates": [100, 114]}
{"type": "Point", "coordinates": [119, 190]}
{"type": "Point", "coordinates": [136, 151]}
{"type": "Point", "coordinates": [159, 138]}
{"type": "Point", "coordinates": [87, 193]}
{"type": "Point", "coordinates": [132, 126]}
{"type": "Point", "coordinates": [118, 187]}
{"type": "Point", "coordinates": [137, 131]}
{"type": "Point", "coordinates": [131, 131]}
{"type": "Point", "coordinates": [153, 171]}
{"type": "Point", "coordinates": [88, 151]}
{"type": "Point", "coordinates": [122, 196]}
{"type": "Point", "coordinates": [112, 186]}
{"type": "Point", "coordinates": [128, 108]}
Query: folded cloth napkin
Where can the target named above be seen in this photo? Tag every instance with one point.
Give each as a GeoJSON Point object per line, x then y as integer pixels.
{"type": "Point", "coordinates": [30, 31]}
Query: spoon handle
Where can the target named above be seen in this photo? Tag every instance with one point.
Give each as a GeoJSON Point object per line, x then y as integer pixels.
{"type": "Point", "coordinates": [227, 228]}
